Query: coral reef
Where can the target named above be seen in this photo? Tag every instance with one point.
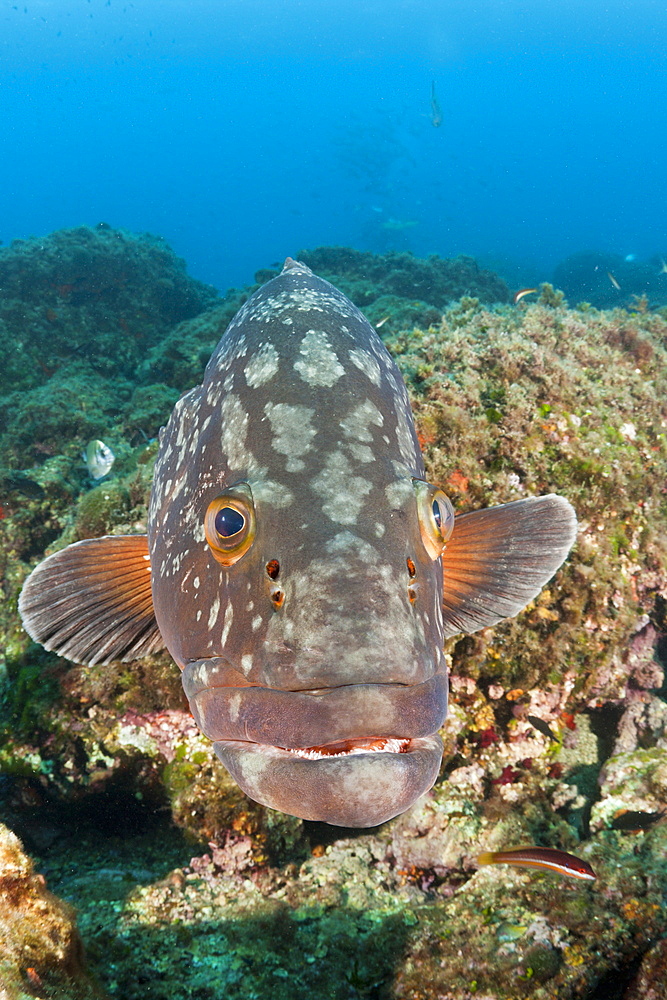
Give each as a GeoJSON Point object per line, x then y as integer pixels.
{"type": "Point", "coordinates": [184, 888]}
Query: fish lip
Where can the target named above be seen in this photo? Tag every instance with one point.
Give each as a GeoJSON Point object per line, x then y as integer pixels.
{"type": "Point", "coordinates": [225, 710]}
{"type": "Point", "coordinates": [357, 791]}
{"type": "Point", "coordinates": [218, 672]}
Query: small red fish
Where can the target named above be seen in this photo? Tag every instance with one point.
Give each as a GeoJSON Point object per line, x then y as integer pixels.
{"type": "Point", "coordinates": [546, 858]}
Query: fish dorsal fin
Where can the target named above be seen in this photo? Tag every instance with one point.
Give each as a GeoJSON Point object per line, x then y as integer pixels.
{"type": "Point", "coordinates": [498, 559]}
{"type": "Point", "coordinates": [92, 602]}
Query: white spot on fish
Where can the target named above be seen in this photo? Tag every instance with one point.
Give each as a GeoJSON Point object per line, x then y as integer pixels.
{"type": "Point", "coordinates": [310, 300]}
{"type": "Point", "coordinates": [357, 424]}
{"type": "Point", "coordinates": [292, 430]}
{"type": "Point", "coordinates": [195, 583]}
{"type": "Point", "coordinates": [213, 613]}
{"type": "Point", "coordinates": [367, 364]}
{"type": "Point", "coordinates": [262, 366]}
{"type": "Point", "coordinates": [234, 431]}
{"type": "Point", "coordinates": [399, 493]}
{"type": "Point", "coordinates": [319, 366]}
{"type": "Point", "coordinates": [227, 623]}
{"type": "Point", "coordinates": [343, 492]}
{"type": "Point", "coordinates": [234, 706]}
{"type": "Point", "coordinates": [405, 435]}
{"type": "Point", "coordinates": [361, 452]}
{"type": "Point", "coordinates": [230, 350]}
{"type": "Point", "coordinates": [269, 491]}
{"type": "Point", "coordinates": [256, 622]}
{"type": "Point", "coordinates": [246, 663]}
{"type": "Point", "coordinates": [345, 541]}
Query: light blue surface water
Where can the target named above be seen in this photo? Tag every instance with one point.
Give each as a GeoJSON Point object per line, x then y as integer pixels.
{"type": "Point", "coordinates": [244, 130]}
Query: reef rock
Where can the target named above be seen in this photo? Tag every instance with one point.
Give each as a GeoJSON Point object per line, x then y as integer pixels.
{"type": "Point", "coordinates": [41, 954]}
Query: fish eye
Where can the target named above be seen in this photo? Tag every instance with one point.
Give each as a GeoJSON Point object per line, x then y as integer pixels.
{"type": "Point", "coordinates": [436, 517]}
{"type": "Point", "coordinates": [229, 521]}
{"type": "Point", "coordinates": [229, 524]}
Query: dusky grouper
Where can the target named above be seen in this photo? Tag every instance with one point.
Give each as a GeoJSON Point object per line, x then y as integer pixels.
{"type": "Point", "coordinates": [293, 565]}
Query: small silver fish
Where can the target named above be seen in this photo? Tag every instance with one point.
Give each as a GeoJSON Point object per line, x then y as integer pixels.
{"type": "Point", "coordinates": [99, 458]}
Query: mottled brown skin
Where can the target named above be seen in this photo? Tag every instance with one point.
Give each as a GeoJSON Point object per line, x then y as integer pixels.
{"type": "Point", "coordinates": [324, 438]}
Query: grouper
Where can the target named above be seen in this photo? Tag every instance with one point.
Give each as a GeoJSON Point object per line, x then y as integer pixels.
{"type": "Point", "coordinates": [298, 567]}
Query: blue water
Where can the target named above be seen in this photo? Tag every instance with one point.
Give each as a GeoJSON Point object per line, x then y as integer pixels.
{"type": "Point", "coordinates": [244, 130]}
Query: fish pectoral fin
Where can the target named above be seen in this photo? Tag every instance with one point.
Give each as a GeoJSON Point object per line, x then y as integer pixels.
{"type": "Point", "coordinates": [498, 559]}
{"type": "Point", "coordinates": [92, 601]}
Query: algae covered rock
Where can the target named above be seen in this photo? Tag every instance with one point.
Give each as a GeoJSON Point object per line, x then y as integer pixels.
{"type": "Point", "coordinates": [437, 281]}
{"type": "Point", "coordinates": [511, 402]}
{"type": "Point", "coordinates": [650, 983]}
{"type": "Point", "coordinates": [41, 953]}
{"type": "Point", "coordinates": [103, 295]}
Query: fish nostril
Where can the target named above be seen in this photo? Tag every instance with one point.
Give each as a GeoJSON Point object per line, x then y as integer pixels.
{"type": "Point", "coordinates": [412, 570]}
{"type": "Point", "coordinates": [278, 598]}
{"type": "Point", "coordinates": [273, 569]}
{"type": "Point", "coordinates": [412, 594]}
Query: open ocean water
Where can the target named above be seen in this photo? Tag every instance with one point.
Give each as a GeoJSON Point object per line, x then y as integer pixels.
{"type": "Point", "coordinates": [244, 130]}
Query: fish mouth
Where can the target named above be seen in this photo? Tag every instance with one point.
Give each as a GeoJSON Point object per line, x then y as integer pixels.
{"type": "Point", "coordinates": [352, 783]}
{"type": "Point", "coordinates": [224, 709]}
{"type": "Point", "coordinates": [344, 748]}
{"type": "Point", "coordinates": [310, 753]}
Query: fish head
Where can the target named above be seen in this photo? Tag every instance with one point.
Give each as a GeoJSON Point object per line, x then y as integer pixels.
{"type": "Point", "coordinates": [296, 558]}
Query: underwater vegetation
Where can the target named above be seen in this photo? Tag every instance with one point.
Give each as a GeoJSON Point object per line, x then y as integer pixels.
{"type": "Point", "coordinates": [185, 888]}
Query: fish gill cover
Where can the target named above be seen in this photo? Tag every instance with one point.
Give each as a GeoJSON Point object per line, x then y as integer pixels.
{"type": "Point", "coordinates": [509, 401]}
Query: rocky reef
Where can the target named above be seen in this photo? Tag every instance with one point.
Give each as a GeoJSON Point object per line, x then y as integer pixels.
{"type": "Point", "coordinates": [186, 889]}
{"type": "Point", "coordinates": [41, 954]}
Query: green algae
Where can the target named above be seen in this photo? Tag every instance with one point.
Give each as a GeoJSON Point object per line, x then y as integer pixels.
{"type": "Point", "coordinates": [102, 508]}
{"type": "Point", "coordinates": [102, 294]}
{"type": "Point", "coordinates": [348, 922]}
{"type": "Point", "coordinates": [362, 275]}
{"type": "Point", "coordinates": [600, 442]}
